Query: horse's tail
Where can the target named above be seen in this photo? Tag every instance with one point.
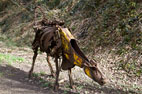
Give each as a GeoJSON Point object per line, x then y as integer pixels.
{"type": "Point", "coordinates": [35, 14]}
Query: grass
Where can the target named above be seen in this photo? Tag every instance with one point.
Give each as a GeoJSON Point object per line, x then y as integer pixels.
{"type": "Point", "coordinates": [10, 58]}
{"type": "Point", "coordinates": [1, 74]}
{"type": "Point", "coordinates": [80, 87]}
{"type": "Point", "coordinates": [8, 41]}
{"type": "Point", "coordinates": [42, 73]}
{"type": "Point", "coordinates": [134, 88]}
{"type": "Point", "coordinates": [65, 92]}
{"type": "Point", "coordinates": [46, 84]}
{"type": "Point", "coordinates": [43, 82]}
{"type": "Point", "coordinates": [39, 74]}
{"type": "Point", "coordinates": [36, 75]}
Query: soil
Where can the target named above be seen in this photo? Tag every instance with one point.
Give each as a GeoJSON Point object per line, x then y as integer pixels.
{"type": "Point", "coordinates": [14, 77]}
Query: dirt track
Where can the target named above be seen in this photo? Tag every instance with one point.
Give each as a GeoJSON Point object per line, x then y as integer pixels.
{"type": "Point", "coordinates": [14, 77]}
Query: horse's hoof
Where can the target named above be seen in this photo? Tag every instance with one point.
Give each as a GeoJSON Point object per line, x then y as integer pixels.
{"type": "Point", "coordinates": [56, 87]}
{"type": "Point", "coordinates": [29, 76]}
{"type": "Point", "coordinates": [73, 87]}
{"type": "Point", "coordinates": [53, 75]}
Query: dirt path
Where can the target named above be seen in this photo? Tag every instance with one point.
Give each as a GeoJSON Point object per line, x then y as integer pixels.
{"type": "Point", "coordinates": [14, 77]}
{"type": "Point", "coordinates": [15, 82]}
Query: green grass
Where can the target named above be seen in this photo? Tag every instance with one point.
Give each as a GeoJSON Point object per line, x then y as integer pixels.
{"type": "Point", "coordinates": [80, 87]}
{"type": "Point", "coordinates": [35, 75]}
{"type": "Point", "coordinates": [1, 74]}
{"type": "Point", "coordinates": [41, 80]}
{"type": "Point", "coordinates": [10, 58]}
{"type": "Point", "coordinates": [46, 84]}
{"type": "Point", "coordinates": [42, 73]}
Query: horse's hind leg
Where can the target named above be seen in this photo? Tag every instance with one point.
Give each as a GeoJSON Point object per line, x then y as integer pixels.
{"type": "Point", "coordinates": [34, 58]}
{"type": "Point", "coordinates": [50, 66]}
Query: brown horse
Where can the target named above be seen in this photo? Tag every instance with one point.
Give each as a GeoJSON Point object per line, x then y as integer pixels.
{"type": "Point", "coordinates": [58, 42]}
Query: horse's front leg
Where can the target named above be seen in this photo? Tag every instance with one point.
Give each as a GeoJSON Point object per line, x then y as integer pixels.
{"type": "Point", "coordinates": [34, 58]}
{"type": "Point", "coordinates": [70, 78]}
{"type": "Point", "coordinates": [56, 86]}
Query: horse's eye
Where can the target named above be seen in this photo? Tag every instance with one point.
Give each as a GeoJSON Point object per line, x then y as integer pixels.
{"type": "Point", "coordinates": [94, 68]}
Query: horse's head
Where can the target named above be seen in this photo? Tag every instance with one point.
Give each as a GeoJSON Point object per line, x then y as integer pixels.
{"type": "Point", "coordinates": [93, 71]}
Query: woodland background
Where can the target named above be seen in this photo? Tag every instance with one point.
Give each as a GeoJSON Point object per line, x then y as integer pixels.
{"type": "Point", "coordinates": [109, 31]}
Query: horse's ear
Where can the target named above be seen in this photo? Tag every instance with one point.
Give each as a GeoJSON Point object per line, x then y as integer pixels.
{"type": "Point", "coordinates": [91, 63]}
{"type": "Point", "coordinates": [35, 29]}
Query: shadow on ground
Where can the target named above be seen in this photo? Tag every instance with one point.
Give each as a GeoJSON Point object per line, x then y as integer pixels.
{"type": "Point", "coordinates": [16, 74]}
